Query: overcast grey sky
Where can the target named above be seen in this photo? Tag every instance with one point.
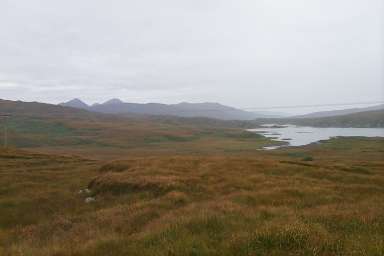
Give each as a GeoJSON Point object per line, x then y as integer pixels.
{"type": "Point", "coordinates": [244, 53]}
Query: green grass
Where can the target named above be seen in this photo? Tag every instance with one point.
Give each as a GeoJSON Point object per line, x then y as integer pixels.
{"type": "Point", "coordinates": [38, 126]}
{"type": "Point", "coordinates": [91, 136]}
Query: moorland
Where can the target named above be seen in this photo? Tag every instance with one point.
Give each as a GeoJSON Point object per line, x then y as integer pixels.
{"type": "Point", "coordinates": [75, 182]}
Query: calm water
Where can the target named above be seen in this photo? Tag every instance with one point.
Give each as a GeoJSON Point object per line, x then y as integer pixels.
{"type": "Point", "coordinates": [299, 135]}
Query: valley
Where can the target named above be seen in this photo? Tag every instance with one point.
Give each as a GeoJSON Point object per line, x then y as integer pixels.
{"type": "Point", "coordinates": [75, 182]}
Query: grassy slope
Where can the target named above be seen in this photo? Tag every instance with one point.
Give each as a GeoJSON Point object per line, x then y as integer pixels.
{"type": "Point", "coordinates": [373, 119]}
{"type": "Point", "coordinates": [55, 129]}
{"type": "Point", "coordinates": [263, 203]}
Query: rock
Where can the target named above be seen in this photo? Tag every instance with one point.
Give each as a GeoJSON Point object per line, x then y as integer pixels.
{"type": "Point", "coordinates": [90, 200]}
{"type": "Point", "coordinates": [85, 191]}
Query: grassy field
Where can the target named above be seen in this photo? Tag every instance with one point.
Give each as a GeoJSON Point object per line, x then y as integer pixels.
{"type": "Point", "coordinates": [224, 198]}
{"type": "Point", "coordinates": [110, 137]}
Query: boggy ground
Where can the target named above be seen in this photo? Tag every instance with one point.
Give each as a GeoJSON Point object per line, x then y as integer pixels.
{"type": "Point", "coordinates": [317, 200]}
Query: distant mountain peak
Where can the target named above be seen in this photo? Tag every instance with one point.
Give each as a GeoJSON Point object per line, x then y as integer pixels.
{"type": "Point", "coordinates": [203, 105]}
{"type": "Point", "coordinates": [77, 100]}
{"type": "Point", "coordinates": [113, 101]}
{"type": "Point", "coordinates": [200, 103]}
{"type": "Point", "coordinates": [183, 109]}
{"type": "Point", "coordinates": [75, 103]}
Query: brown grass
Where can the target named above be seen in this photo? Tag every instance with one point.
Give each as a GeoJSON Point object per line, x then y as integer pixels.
{"type": "Point", "coordinates": [261, 203]}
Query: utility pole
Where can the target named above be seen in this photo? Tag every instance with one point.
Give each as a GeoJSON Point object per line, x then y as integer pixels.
{"type": "Point", "coordinates": [5, 139]}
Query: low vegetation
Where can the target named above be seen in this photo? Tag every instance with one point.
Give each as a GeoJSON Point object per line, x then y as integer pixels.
{"type": "Point", "coordinates": [322, 199]}
{"type": "Point", "coordinates": [80, 183]}
{"type": "Point", "coordinates": [109, 137]}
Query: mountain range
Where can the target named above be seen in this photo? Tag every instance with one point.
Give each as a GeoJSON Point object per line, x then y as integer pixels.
{"type": "Point", "coordinates": [80, 111]}
{"type": "Point", "coordinates": [184, 109]}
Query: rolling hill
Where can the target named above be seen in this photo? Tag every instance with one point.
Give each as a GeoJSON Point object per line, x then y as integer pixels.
{"type": "Point", "coordinates": [340, 112]}
{"type": "Point", "coordinates": [52, 128]}
{"type": "Point", "coordinates": [366, 119]}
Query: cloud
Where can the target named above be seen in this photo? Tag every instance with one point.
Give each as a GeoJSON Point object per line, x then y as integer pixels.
{"type": "Point", "coordinates": [243, 53]}
{"type": "Point", "coordinates": [8, 84]}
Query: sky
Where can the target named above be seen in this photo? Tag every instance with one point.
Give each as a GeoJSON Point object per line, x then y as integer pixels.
{"type": "Point", "coordinates": [243, 53]}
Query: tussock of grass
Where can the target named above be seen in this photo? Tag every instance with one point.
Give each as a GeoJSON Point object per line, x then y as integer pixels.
{"type": "Point", "coordinates": [119, 184]}
{"type": "Point", "coordinates": [295, 238]}
{"type": "Point", "coordinates": [115, 167]}
{"type": "Point", "coordinates": [307, 158]}
{"type": "Point", "coordinates": [353, 169]}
